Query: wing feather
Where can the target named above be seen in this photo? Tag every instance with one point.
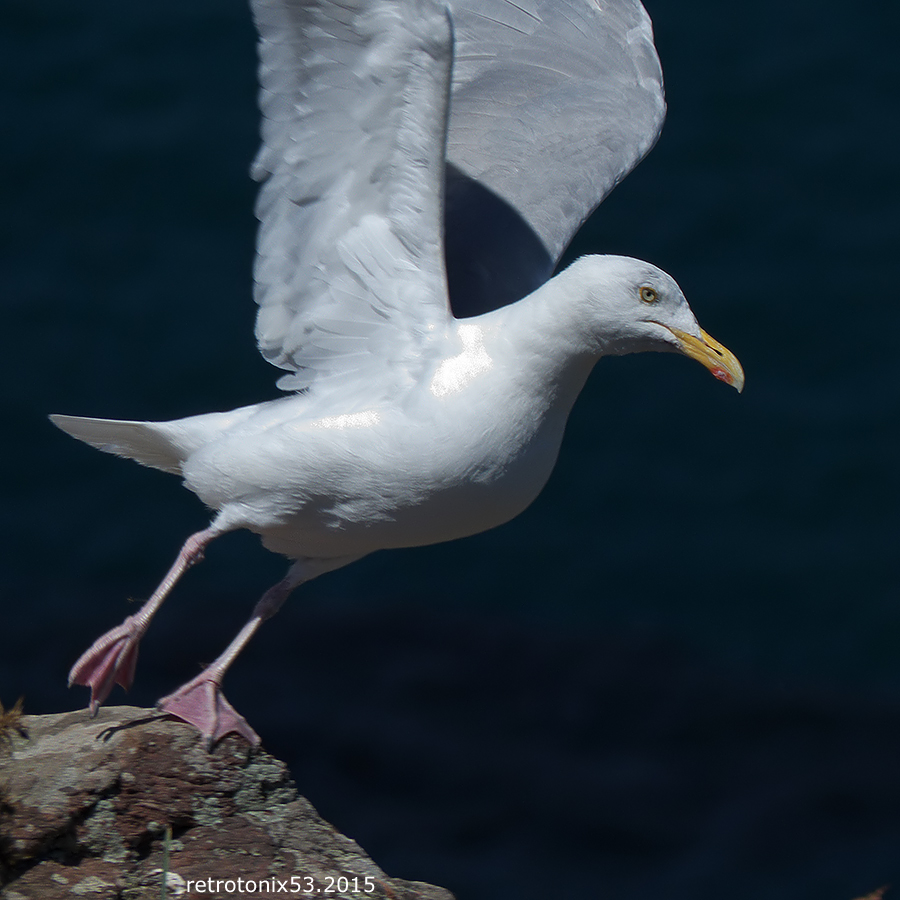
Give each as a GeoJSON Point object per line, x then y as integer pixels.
{"type": "Point", "coordinates": [553, 103]}
{"type": "Point", "coordinates": [349, 275]}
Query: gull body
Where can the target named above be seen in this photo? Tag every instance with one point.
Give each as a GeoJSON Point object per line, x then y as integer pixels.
{"type": "Point", "coordinates": [409, 423]}
{"type": "Point", "coordinates": [465, 447]}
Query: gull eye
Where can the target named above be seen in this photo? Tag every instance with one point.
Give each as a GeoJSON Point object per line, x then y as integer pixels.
{"type": "Point", "coordinates": [649, 295]}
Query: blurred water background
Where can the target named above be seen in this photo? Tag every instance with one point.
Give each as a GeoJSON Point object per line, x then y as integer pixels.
{"type": "Point", "coordinates": [677, 674]}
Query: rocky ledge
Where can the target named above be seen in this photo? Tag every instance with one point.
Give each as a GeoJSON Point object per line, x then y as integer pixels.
{"type": "Point", "coordinates": [130, 806]}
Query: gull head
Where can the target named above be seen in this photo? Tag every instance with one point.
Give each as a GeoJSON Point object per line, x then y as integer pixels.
{"type": "Point", "coordinates": [632, 306]}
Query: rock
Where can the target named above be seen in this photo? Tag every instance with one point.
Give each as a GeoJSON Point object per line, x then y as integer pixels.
{"type": "Point", "coordinates": [86, 806]}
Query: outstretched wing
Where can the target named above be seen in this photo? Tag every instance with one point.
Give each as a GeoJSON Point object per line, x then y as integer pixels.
{"type": "Point", "coordinates": [554, 102]}
{"type": "Point", "coordinates": [350, 273]}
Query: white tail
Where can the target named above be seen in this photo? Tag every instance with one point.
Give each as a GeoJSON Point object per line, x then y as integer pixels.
{"type": "Point", "coordinates": [149, 443]}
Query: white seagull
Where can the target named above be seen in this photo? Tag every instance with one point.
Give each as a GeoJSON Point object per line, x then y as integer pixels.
{"type": "Point", "coordinates": [424, 163]}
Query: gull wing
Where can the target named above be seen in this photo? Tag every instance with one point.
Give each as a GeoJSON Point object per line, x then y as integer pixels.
{"type": "Point", "coordinates": [554, 102]}
{"type": "Point", "coordinates": [349, 275]}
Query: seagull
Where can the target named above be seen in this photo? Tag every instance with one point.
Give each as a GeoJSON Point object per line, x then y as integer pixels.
{"type": "Point", "coordinates": [423, 165]}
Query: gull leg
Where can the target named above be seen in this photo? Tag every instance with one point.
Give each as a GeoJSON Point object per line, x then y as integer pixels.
{"type": "Point", "coordinates": [111, 659]}
{"type": "Point", "coordinates": [201, 702]}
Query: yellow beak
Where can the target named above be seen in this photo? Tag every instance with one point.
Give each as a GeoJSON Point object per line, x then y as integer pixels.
{"type": "Point", "coordinates": [709, 352]}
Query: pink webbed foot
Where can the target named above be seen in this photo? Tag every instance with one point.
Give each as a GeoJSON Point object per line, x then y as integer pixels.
{"type": "Point", "coordinates": [110, 660]}
{"type": "Point", "coordinates": [202, 704]}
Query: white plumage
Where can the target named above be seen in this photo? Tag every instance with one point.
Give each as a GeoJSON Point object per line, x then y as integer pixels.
{"type": "Point", "coordinates": [423, 168]}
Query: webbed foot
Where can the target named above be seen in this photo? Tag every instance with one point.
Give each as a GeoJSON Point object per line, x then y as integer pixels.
{"type": "Point", "coordinates": [110, 660]}
{"type": "Point", "coordinates": [202, 704]}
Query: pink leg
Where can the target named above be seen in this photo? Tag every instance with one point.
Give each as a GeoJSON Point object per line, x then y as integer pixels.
{"type": "Point", "coordinates": [201, 702]}
{"type": "Point", "coordinates": [111, 659]}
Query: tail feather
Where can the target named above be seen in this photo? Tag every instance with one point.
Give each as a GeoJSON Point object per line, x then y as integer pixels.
{"type": "Point", "coordinates": [150, 443]}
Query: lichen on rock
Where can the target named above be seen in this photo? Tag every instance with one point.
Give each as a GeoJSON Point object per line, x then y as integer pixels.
{"type": "Point", "coordinates": [85, 806]}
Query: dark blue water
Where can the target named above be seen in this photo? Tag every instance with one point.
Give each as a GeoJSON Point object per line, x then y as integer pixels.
{"type": "Point", "coordinates": [677, 674]}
